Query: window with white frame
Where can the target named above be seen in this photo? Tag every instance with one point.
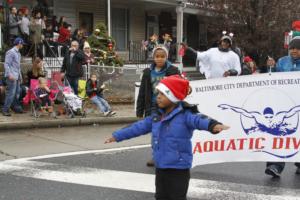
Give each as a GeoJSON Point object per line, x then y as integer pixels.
{"type": "Point", "coordinates": [119, 24]}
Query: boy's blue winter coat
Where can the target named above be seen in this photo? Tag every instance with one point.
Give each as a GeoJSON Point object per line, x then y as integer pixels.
{"type": "Point", "coordinates": [171, 136]}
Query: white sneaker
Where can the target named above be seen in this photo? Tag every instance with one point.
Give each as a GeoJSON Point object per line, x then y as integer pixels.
{"type": "Point", "coordinates": [112, 113]}
{"type": "Point", "coordinates": [106, 113]}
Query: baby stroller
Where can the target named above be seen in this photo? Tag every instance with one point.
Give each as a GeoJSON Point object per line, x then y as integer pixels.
{"type": "Point", "coordinates": [36, 103]}
{"type": "Point", "coordinates": [72, 103]}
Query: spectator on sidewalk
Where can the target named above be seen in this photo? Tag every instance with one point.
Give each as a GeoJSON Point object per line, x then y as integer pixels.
{"type": "Point", "coordinates": [43, 94]}
{"type": "Point", "coordinates": [54, 24]}
{"type": "Point", "coordinates": [286, 64]}
{"type": "Point", "coordinates": [14, 25]}
{"type": "Point", "coordinates": [171, 129]}
{"type": "Point", "coordinates": [25, 23]}
{"type": "Point", "coordinates": [78, 35]}
{"type": "Point", "coordinates": [89, 56]}
{"type": "Point", "coordinates": [249, 66]}
{"type": "Point", "coordinates": [149, 46]}
{"type": "Point", "coordinates": [41, 7]}
{"type": "Point", "coordinates": [72, 66]}
{"type": "Point", "coordinates": [13, 78]}
{"type": "Point", "coordinates": [64, 37]}
{"type": "Point", "coordinates": [269, 66]}
{"type": "Point", "coordinates": [94, 90]}
{"type": "Point", "coordinates": [146, 101]}
{"type": "Point", "coordinates": [49, 43]}
{"type": "Point", "coordinates": [218, 62]}
{"type": "Point", "coordinates": [36, 72]}
{"type": "Point", "coordinates": [61, 22]}
{"type": "Point", "coordinates": [36, 27]}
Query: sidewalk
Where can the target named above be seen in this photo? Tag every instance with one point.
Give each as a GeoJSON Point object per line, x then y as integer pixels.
{"type": "Point", "coordinates": [125, 114]}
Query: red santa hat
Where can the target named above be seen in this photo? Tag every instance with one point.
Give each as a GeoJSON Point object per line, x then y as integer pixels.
{"type": "Point", "coordinates": [175, 88]}
{"type": "Point", "coordinates": [248, 59]}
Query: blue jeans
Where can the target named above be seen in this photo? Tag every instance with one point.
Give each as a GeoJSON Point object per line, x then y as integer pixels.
{"type": "Point", "coordinates": [280, 165]}
{"type": "Point", "coordinates": [12, 95]}
{"type": "Point", "coordinates": [73, 81]}
{"type": "Point", "coordinates": [101, 103]}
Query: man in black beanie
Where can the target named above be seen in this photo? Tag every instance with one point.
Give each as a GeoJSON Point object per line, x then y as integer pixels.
{"type": "Point", "coordinates": [292, 61]}
{"type": "Point", "coordinates": [286, 64]}
{"type": "Point", "coordinates": [218, 62]}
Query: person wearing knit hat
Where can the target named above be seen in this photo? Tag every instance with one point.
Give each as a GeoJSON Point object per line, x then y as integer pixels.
{"type": "Point", "coordinates": [248, 66]}
{"type": "Point", "coordinates": [295, 43]}
{"type": "Point", "coordinates": [292, 61]}
{"type": "Point", "coordinates": [86, 45]}
{"type": "Point", "coordinates": [228, 40]}
{"type": "Point", "coordinates": [172, 129]}
{"type": "Point", "coordinates": [89, 56]}
{"type": "Point", "coordinates": [219, 61]}
{"type": "Point", "coordinates": [286, 64]}
{"type": "Point", "coordinates": [160, 47]}
{"type": "Point", "coordinates": [175, 88]}
{"type": "Point", "coordinates": [160, 68]}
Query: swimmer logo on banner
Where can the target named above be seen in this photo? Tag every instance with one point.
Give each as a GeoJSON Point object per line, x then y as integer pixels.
{"type": "Point", "coordinates": [262, 112]}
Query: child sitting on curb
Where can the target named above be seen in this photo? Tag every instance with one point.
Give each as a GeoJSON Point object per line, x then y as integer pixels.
{"type": "Point", "coordinates": [172, 129]}
{"type": "Point", "coordinates": [94, 90]}
{"type": "Point", "coordinates": [43, 92]}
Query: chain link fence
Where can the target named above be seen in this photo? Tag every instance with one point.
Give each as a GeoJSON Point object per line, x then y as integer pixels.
{"type": "Point", "coordinates": [120, 81]}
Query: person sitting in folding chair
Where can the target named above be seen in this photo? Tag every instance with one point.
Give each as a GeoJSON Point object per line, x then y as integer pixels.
{"type": "Point", "coordinates": [43, 93]}
{"type": "Point", "coordinates": [94, 89]}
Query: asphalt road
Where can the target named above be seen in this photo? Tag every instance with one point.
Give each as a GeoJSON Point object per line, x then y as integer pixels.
{"type": "Point", "coordinates": [118, 171]}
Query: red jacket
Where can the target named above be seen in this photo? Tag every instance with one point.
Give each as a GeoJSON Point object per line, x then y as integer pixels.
{"type": "Point", "coordinates": [64, 35]}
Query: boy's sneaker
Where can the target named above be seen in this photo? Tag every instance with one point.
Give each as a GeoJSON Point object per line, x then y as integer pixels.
{"type": "Point", "coordinates": [272, 171]}
{"type": "Point", "coordinates": [6, 114]}
{"type": "Point", "coordinates": [112, 113]}
{"type": "Point", "coordinates": [106, 113]}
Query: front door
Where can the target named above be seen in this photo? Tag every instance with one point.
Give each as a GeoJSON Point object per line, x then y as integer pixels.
{"type": "Point", "coordinates": [86, 21]}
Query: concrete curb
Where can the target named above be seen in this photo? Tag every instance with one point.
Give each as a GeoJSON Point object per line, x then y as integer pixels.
{"type": "Point", "coordinates": [66, 122]}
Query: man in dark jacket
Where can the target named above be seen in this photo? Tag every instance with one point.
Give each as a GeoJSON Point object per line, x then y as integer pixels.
{"type": "Point", "coordinates": [72, 66]}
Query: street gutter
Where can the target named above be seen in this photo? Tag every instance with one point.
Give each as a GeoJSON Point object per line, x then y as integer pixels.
{"type": "Point", "coordinates": [57, 123]}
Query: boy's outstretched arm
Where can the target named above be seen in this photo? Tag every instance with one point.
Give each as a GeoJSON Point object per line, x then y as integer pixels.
{"type": "Point", "coordinates": [139, 128]}
{"type": "Point", "coordinates": [219, 127]}
{"type": "Point", "coordinates": [203, 122]}
{"type": "Point", "coordinates": [110, 140]}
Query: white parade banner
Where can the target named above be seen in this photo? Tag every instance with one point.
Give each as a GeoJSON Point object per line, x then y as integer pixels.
{"type": "Point", "coordinates": [262, 112]}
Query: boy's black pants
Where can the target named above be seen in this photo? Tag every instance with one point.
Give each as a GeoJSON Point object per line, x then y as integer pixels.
{"type": "Point", "coordinates": [172, 184]}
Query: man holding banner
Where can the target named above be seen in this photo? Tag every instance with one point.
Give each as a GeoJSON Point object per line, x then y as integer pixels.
{"type": "Point", "coordinates": [218, 62]}
{"type": "Point", "coordinates": [286, 64]}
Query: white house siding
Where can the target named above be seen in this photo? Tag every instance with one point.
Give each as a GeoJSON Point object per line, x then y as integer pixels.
{"type": "Point", "coordinates": [97, 7]}
{"type": "Point", "coordinates": [71, 8]}
{"type": "Point", "coordinates": [137, 26]}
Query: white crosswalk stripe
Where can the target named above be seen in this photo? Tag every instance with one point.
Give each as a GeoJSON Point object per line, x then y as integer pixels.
{"type": "Point", "coordinates": [141, 182]}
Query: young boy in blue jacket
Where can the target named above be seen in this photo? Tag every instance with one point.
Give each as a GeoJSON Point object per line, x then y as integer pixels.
{"type": "Point", "coordinates": [172, 129]}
